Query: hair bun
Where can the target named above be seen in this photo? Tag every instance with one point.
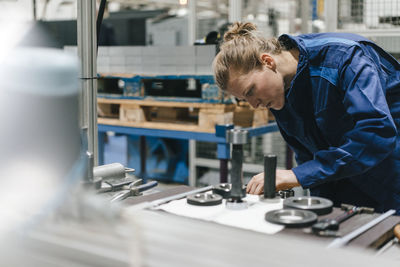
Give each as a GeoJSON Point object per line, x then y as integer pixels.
{"type": "Point", "coordinates": [239, 29]}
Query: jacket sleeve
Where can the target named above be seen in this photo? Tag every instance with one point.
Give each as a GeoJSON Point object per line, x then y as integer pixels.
{"type": "Point", "coordinates": [373, 136]}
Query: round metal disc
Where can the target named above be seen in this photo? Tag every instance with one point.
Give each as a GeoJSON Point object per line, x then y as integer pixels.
{"type": "Point", "coordinates": [204, 199]}
{"type": "Point", "coordinates": [319, 205]}
{"type": "Point", "coordinates": [291, 217]}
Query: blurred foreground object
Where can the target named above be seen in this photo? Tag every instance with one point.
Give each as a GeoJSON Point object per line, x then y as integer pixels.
{"type": "Point", "coordinates": [40, 137]}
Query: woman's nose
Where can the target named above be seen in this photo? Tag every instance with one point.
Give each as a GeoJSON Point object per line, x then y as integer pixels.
{"type": "Point", "coordinates": [254, 102]}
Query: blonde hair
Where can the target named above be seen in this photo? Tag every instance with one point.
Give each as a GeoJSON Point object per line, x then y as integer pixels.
{"type": "Point", "coordinates": [241, 51]}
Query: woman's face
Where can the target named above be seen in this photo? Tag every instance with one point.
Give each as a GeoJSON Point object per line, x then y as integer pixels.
{"type": "Point", "coordinates": [261, 88]}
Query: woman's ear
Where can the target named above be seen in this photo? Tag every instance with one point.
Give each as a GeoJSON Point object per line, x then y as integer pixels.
{"type": "Point", "coordinates": [268, 61]}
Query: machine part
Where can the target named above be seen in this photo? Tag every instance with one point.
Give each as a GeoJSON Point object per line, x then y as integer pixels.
{"type": "Point", "coordinates": [339, 242]}
{"type": "Point", "coordinates": [291, 217]}
{"type": "Point", "coordinates": [87, 54]}
{"type": "Point", "coordinates": [235, 200]}
{"type": "Point", "coordinates": [224, 190]}
{"type": "Point", "coordinates": [319, 205]}
{"type": "Point", "coordinates": [117, 184]}
{"type": "Point", "coordinates": [133, 190]}
{"type": "Point", "coordinates": [204, 199]}
{"type": "Point", "coordinates": [269, 176]}
{"type": "Point", "coordinates": [113, 170]}
{"type": "Point", "coordinates": [158, 202]}
{"type": "Point", "coordinates": [392, 242]}
{"type": "Point", "coordinates": [236, 204]}
{"type": "Point", "coordinates": [327, 227]}
{"type": "Point", "coordinates": [90, 159]}
{"type": "Point", "coordinates": [90, 181]}
{"type": "Point", "coordinates": [237, 136]}
{"type": "Point", "coordinates": [237, 172]}
{"type": "Point", "coordinates": [285, 193]}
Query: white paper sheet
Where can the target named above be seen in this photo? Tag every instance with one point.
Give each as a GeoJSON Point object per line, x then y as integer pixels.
{"type": "Point", "coordinates": [251, 218]}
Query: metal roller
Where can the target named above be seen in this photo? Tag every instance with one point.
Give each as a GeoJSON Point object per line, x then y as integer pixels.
{"type": "Point", "coordinates": [319, 205]}
{"type": "Point", "coordinates": [237, 138]}
{"type": "Point", "coordinates": [113, 170]}
{"type": "Point", "coordinates": [269, 176]}
{"type": "Point", "coordinates": [291, 217]}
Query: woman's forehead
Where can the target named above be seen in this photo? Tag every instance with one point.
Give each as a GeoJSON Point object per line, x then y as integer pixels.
{"type": "Point", "coordinates": [238, 83]}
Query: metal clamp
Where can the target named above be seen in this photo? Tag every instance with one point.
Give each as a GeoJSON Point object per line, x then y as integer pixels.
{"type": "Point", "coordinates": [224, 190]}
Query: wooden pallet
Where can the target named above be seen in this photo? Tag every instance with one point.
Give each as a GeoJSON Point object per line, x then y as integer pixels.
{"type": "Point", "coordinates": [180, 116]}
{"type": "Point", "coordinates": [246, 116]}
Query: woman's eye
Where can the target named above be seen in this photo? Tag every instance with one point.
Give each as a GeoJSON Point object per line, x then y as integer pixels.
{"type": "Point", "coordinates": [250, 92]}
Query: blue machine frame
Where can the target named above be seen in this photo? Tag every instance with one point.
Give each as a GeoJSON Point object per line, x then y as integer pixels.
{"type": "Point", "coordinates": [223, 148]}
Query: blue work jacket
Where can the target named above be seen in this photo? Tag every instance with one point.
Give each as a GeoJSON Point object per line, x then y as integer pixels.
{"type": "Point", "coordinates": [342, 117]}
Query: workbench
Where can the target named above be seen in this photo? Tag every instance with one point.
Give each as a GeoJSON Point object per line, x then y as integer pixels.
{"type": "Point", "coordinates": [219, 137]}
{"type": "Point", "coordinates": [371, 239]}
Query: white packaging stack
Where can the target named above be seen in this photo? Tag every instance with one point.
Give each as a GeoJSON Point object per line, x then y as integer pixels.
{"type": "Point", "coordinates": [154, 60]}
{"type": "Point", "coordinates": [204, 58]}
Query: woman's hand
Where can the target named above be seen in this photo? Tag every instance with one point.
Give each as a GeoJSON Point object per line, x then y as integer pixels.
{"type": "Point", "coordinates": [285, 179]}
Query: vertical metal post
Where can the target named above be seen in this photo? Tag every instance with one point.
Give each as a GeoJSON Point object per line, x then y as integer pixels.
{"type": "Point", "coordinates": [223, 170]}
{"type": "Point", "coordinates": [289, 158]}
{"type": "Point", "coordinates": [305, 16]}
{"type": "Point", "coordinates": [269, 176]}
{"type": "Point", "coordinates": [237, 171]}
{"type": "Point", "coordinates": [235, 10]}
{"type": "Point", "coordinates": [34, 9]}
{"type": "Point", "coordinates": [192, 22]}
{"type": "Point", "coordinates": [331, 15]}
{"type": "Point", "coordinates": [86, 26]}
{"type": "Point", "coordinates": [192, 163]}
{"type": "Point", "coordinates": [143, 158]}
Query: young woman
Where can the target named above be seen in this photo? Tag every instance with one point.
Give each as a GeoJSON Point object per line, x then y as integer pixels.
{"type": "Point", "coordinates": [336, 100]}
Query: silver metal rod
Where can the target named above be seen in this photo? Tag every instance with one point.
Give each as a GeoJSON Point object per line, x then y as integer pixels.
{"type": "Point", "coordinates": [235, 10]}
{"type": "Point", "coordinates": [305, 16]}
{"type": "Point", "coordinates": [192, 32]}
{"type": "Point", "coordinates": [86, 26]}
{"type": "Point", "coordinates": [192, 163]}
{"type": "Point", "coordinates": [339, 242]}
{"type": "Point", "coordinates": [158, 202]}
{"type": "Point", "coordinates": [331, 15]}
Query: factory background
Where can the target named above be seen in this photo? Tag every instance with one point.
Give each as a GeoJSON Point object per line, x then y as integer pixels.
{"type": "Point", "coordinates": [152, 25]}
{"type": "Point", "coordinates": [153, 74]}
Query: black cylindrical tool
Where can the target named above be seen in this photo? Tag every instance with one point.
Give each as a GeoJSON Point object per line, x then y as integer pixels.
{"type": "Point", "coordinates": [237, 137]}
{"type": "Point", "coordinates": [269, 176]}
{"type": "Point", "coordinates": [236, 172]}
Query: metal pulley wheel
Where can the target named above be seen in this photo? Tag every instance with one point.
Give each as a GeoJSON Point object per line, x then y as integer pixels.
{"type": "Point", "coordinates": [204, 199]}
{"type": "Point", "coordinates": [291, 217]}
{"type": "Point", "coordinates": [319, 205]}
{"type": "Point", "coordinates": [224, 190]}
